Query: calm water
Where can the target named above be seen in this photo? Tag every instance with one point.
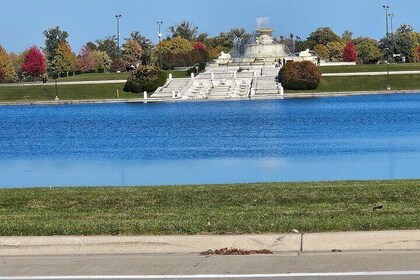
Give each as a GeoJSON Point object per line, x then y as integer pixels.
{"type": "Point", "coordinates": [365, 137]}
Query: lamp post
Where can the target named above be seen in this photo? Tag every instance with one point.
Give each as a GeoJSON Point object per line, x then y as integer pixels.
{"type": "Point", "coordinates": [159, 23]}
{"type": "Point", "coordinates": [117, 17]}
{"type": "Point", "coordinates": [387, 44]}
{"type": "Point", "coordinates": [391, 16]}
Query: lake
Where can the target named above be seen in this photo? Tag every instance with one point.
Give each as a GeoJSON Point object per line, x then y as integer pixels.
{"type": "Point", "coordinates": [360, 137]}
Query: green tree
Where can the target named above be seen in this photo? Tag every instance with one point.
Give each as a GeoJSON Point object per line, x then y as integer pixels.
{"type": "Point", "coordinates": [202, 37]}
{"type": "Point", "coordinates": [17, 60]}
{"type": "Point", "coordinates": [185, 30]}
{"type": "Point", "coordinates": [91, 46]}
{"type": "Point", "coordinates": [347, 36]}
{"type": "Point", "coordinates": [108, 45]}
{"type": "Point", "coordinates": [53, 37]}
{"type": "Point", "coordinates": [321, 51]}
{"type": "Point", "coordinates": [335, 51]}
{"type": "Point", "coordinates": [146, 45]}
{"type": "Point", "coordinates": [406, 39]}
{"type": "Point", "coordinates": [69, 57]}
{"type": "Point", "coordinates": [132, 53]}
{"type": "Point", "coordinates": [64, 60]}
{"type": "Point", "coordinates": [323, 36]}
{"type": "Point", "coordinates": [145, 78]}
{"type": "Point", "coordinates": [367, 50]}
{"type": "Point", "coordinates": [7, 68]}
{"type": "Point", "coordinates": [103, 61]}
{"type": "Point", "coordinates": [417, 54]}
{"type": "Point", "coordinates": [174, 52]}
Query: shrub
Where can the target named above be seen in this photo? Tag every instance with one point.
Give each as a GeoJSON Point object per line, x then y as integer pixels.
{"type": "Point", "coordinates": [145, 78]}
{"type": "Point", "coordinates": [300, 76]}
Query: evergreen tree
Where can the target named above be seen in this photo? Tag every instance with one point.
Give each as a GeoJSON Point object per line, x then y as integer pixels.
{"type": "Point", "coordinates": [53, 37]}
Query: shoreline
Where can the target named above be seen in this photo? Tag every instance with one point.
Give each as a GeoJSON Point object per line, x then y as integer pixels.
{"type": "Point", "coordinates": [166, 100]}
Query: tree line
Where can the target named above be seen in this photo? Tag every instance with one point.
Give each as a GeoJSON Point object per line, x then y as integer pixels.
{"type": "Point", "coordinates": [185, 46]}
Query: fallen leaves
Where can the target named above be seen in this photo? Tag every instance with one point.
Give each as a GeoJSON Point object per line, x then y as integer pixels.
{"type": "Point", "coordinates": [234, 251]}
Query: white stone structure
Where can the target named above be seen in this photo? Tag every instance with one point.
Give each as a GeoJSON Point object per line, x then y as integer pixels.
{"type": "Point", "coordinates": [250, 75]}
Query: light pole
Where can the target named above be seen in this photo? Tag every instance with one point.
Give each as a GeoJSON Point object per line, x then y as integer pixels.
{"type": "Point", "coordinates": [117, 17]}
{"type": "Point", "coordinates": [387, 44]}
{"type": "Point", "coordinates": [391, 16]}
{"type": "Point", "coordinates": [159, 23]}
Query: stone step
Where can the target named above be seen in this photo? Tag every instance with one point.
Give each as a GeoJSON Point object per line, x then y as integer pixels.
{"type": "Point", "coordinates": [262, 92]}
{"type": "Point", "coordinates": [219, 93]}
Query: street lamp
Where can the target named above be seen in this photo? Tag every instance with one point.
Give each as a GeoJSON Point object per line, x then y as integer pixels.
{"type": "Point", "coordinates": [159, 23]}
{"type": "Point", "coordinates": [391, 16]}
{"type": "Point", "coordinates": [387, 44]}
{"type": "Point", "coordinates": [117, 17]}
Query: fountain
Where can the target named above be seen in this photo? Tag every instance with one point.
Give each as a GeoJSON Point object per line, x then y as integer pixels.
{"type": "Point", "coordinates": [261, 48]}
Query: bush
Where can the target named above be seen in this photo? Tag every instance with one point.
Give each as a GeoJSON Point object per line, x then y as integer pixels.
{"type": "Point", "coordinates": [300, 76]}
{"type": "Point", "coordinates": [145, 78]}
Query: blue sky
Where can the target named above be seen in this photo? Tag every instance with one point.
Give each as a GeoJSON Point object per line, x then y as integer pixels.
{"type": "Point", "coordinates": [22, 21]}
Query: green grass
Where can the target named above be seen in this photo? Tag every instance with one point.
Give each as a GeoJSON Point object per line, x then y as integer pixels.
{"type": "Point", "coordinates": [212, 209]}
{"type": "Point", "coordinates": [366, 83]}
{"type": "Point", "coordinates": [371, 68]}
{"type": "Point", "coordinates": [112, 76]}
{"type": "Point", "coordinates": [65, 92]}
{"type": "Point", "coordinates": [177, 74]}
{"type": "Point", "coordinates": [95, 77]}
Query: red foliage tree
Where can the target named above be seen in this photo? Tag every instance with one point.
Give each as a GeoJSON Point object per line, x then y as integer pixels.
{"type": "Point", "coordinates": [34, 63]}
{"type": "Point", "coordinates": [349, 53]}
{"type": "Point", "coordinates": [86, 61]}
{"type": "Point", "coordinates": [200, 52]}
{"type": "Point", "coordinates": [199, 46]}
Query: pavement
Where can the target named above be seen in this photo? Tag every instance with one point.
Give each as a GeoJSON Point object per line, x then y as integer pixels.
{"type": "Point", "coordinates": [383, 255]}
{"type": "Point", "coordinates": [193, 244]}
{"type": "Point", "coordinates": [351, 265]}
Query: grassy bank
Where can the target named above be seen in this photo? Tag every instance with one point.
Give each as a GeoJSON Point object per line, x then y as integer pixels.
{"type": "Point", "coordinates": [113, 76]}
{"type": "Point", "coordinates": [65, 92]}
{"type": "Point", "coordinates": [367, 83]}
{"type": "Point", "coordinates": [371, 68]}
{"type": "Point", "coordinates": [250, 208]}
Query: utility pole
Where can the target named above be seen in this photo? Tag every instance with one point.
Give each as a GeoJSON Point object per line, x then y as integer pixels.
{"type": "Point", "coordinates": [159, 23]}
{"type": "Point", "coordinates": [117, 17]}
{"type": "Point", "coordinates": [388, 45]}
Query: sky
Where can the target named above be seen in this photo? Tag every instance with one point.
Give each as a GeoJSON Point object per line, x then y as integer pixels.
{"type": "Point", "coordinates": [23, 21]}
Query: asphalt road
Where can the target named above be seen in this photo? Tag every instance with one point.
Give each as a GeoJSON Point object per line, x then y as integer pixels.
{"type": "Point", "coordinates": [351, 265]}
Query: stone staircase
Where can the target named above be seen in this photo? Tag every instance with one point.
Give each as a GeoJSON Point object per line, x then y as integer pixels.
{"type": "Point", "coordinates": [199, 89]}
{"type": "Point", "coordinates": [176, 85]}
{"type": "Point", "coordinates": [266, 85]}
{"type": "Point", "coordinates": [221, 91]}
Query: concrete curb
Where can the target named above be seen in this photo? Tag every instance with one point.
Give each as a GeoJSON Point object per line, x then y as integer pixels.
{"type": "Point", "coordinates": [308, 242]}
{"type": "Point", "coordinates": [69, 245]}
{"type": "Point", "coordinates": [356, 241]}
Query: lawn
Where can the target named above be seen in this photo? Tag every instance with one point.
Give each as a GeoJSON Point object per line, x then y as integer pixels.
{"type": "Point", "coordinates": [112, 76]}
{"type": "Point", "coordinates": [65, 92]}
{"type": "Point", "coordinates": [367, 83]}
{"type": "Point", "coordinates": [212, 209]}
{"type": "Point", "coordinates": [371, 68]}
